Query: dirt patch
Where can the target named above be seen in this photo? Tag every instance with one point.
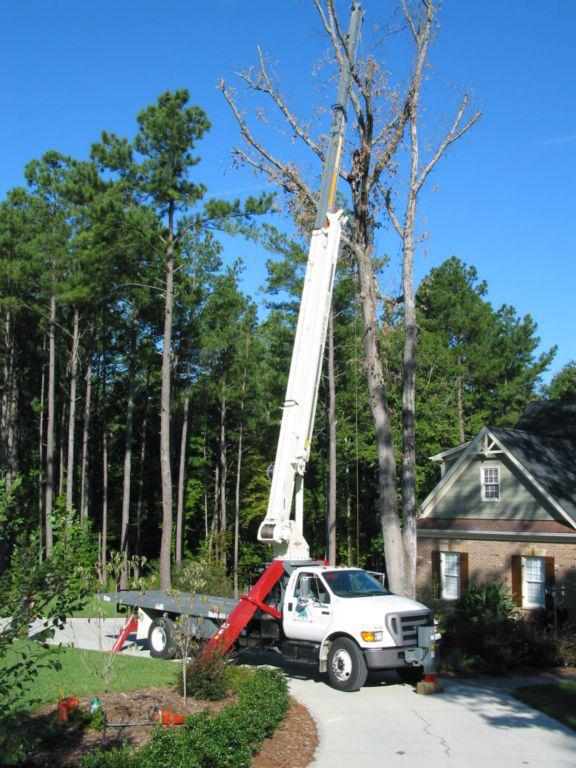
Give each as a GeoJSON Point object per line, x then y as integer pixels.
{"type": "Point", "coordinates": [128, 717]}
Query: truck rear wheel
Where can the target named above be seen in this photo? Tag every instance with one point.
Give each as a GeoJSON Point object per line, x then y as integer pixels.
{"type": "Point", "coordinates": [347, 670]}
{"type": "Point", "coordinates": [161, 640]}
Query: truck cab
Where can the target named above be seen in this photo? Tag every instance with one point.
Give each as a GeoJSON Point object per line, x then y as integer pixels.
{"type": "Point", "coordinates": [347, 622]}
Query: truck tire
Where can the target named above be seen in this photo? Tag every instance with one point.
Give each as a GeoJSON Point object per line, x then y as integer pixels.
{"type": "Point", "coordinates": [347, 670]}
{"type": "Point", "coordinates": [410, 675]}
{"type": "Point", "coordinates": [161, 640]}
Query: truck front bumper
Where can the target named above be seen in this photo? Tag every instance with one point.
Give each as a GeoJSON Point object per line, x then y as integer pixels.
{"type": "Point", "coordinates": [385, 658]}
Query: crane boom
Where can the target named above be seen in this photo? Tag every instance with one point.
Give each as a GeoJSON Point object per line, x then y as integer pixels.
{"type": "Point", "coordinates": [299, 407]}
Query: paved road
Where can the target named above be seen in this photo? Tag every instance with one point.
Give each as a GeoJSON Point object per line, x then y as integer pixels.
{"type": "Point", "coordinates": [476, 724]}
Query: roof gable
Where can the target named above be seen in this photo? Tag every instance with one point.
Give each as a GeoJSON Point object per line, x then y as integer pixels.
{"type": "Point", "coordinates": [549, 461]}
{"type": "Point", "coordinates": [546, 463]}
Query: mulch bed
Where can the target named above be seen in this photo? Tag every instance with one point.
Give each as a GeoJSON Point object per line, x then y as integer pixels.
{"type": "Point", "coordinates": [66, 750]}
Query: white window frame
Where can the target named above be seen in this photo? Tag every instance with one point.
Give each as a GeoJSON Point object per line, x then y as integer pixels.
{"type": "Point", "coordinates": [449, 594]}
{"type": "Point", "coordinates": [483, 483]}
{"type": "Point", "coordinates": [526, 603]}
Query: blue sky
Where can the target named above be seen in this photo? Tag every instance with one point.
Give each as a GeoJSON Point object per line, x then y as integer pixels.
{"type": "Point", "coordinates": [503, 199]}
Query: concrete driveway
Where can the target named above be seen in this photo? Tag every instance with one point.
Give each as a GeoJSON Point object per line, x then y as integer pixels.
{"type": "Point", "coordinates": [476, 724]}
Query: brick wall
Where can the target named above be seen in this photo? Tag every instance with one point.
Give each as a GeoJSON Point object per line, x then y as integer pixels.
{"type": "Point", "coordinates": [492, 560]}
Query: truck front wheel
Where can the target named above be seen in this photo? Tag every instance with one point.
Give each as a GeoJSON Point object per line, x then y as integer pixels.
{"type": "Point", "coordinates": [161, 641]}
{"type": "Point", "coordinates": [347, 670]}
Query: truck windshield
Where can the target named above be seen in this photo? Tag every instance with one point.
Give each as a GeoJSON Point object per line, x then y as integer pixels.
{"type": "Point", "coordinates": [355, 583]}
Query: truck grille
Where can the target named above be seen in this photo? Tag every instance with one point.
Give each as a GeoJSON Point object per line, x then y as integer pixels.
{"type": "Point", "coordinates": [410, 624]}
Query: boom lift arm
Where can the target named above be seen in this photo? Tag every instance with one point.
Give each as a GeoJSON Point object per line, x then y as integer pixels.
{"type": "Point", "coordinates": [299, 407]}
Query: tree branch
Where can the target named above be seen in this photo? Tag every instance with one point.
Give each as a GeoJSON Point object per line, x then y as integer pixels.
{"type": "Point", "coordinates": [264, 85]}
{"type": "Point", "coordinates": [452, 136]}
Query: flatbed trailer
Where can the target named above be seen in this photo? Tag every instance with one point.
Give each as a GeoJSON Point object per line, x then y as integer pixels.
{"type": "Point", "coordinates": [156, 616]}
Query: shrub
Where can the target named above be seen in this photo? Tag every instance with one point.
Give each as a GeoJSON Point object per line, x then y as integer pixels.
{"type": "Point", "coordinates": [206, 676]}
{"type": "Point", "coordinates": [228, 739]}
{"type": "Point", "coordinates": [118, 757]}
{"type": "Point", "coordinates": [482, 632]}
{"type": "Point", "coordinates": [482, 603]}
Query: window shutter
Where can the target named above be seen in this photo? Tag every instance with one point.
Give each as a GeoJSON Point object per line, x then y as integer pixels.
{"type": "Point", "coordinates": [517, 579]}
{"type": "Point", "coordinates": [549, 581]}
{"type": "Point", "coordinates": [436, 576]}
{"type": "Point", "coordinates": [463, 573]}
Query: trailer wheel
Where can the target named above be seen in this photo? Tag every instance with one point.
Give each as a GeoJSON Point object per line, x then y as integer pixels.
{"type": "Point", "coordinates": [410, 675]}
{"type": "Point", "coordinates": [161, 640]}
{"type": "Point", "coordinates": [347, 670]}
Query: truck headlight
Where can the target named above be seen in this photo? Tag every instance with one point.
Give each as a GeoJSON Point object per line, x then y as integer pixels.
{"type": "Point", "coordinates": [371, 637]}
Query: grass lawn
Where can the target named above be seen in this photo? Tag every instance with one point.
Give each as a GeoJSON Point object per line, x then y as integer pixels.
{"type": "Point", "coordinates": [81, 673]}
{"type": "Point", "coordinates": [556, 700]}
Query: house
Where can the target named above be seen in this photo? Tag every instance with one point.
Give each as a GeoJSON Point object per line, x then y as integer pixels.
{"type": "Point", "coordinates": [504, 509]}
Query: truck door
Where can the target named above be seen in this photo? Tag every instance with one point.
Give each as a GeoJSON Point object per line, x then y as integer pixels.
{"type": "Point", "coordinates": [307, 609]}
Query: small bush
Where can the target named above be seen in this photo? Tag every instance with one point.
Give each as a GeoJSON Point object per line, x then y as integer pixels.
{"type": "Point", "coordinates": [206, 676]}
{"type": "Point", "coordinates": [567, 644]}
{"type": "Point", "coordinates": [482, 633]}
{"type": "Point", "coordinates": [482, 603]}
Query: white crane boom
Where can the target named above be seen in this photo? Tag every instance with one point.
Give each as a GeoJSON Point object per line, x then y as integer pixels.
{"type": "Point", "coordinates": [299, 408]}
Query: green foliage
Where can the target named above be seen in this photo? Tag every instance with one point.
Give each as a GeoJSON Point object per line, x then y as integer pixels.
{"type": "Point", "coordinates": [119, 757]}
{"type": "Point", "coordinates": [563, 385]}
{"type": "Point", "coordinates": [229, 738]}
{"type": "Point", "coordinates": [203, 575]}
{"type": "Point", "coordinates": [206, 676]}
{"type": "Point", "coordinates": [51, 590]}
{"type": "Point", "coordinates": [482, 634]}
{"type": "Point", "coordinates": [481, 603]}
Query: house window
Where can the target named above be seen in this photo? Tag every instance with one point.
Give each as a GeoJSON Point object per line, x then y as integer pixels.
{"type": "Point", "coordinates": [533, 582]}
{"type": "Point", "coordinates": [450, 573]}
{"type": "Point", "coordinates": [490, 483]}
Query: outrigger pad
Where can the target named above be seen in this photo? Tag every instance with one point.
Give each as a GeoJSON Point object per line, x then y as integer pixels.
{"type": "Point", "coordinates": [428, 687]}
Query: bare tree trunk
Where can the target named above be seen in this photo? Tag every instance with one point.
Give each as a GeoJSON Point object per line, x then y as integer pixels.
{"type": "Point", "coordinates": [140, 500]}
{"type": "Point", "coordinates": [238, 481]}
{"type": "Point", "coordinates": [409, 395]}
{"type": "Point", "coordinates": [348, 519]}
{"type": "Point", "coordinates": [216, 508]}
{"type": "Point", "coordinates": [6, 377]}
{"type": "Point", "coordinates": [85, 434]}
{"type": "Point", "coordinates": [393, 548]}
{"type": "Point", "coordinates": [237, 508]}
{"type": "Point", "coordinates": [41, 457]}
{"type": "Point", "coordinates": [182, 467]}
{"type": "Point", "coordinates": [61, 451]}
{"type": "Point", "coordinates": [166, 470]}
{"type": "Point", "coordinates": [331, 517]}
{"type": "Point", "coordinates": [460, 404]}
{"type": "Point", "coordinates": [12, 417]}
{"type": "Point", "coordinates": [104, 549]}
{"type": "Point", "coordinates": [50, 426]}
{"type": "Point", "coordinates": [9, 405]}
{"type": "Point", "coordinates": [72, 414]}
{"type": "Point", "coordinates": [127, 472]}
{"type": "Point", "coordinates": [223, 472]}
{"type": "Point", "coordinates": [205, 489]}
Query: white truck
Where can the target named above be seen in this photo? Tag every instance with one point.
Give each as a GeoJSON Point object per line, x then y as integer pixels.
{"type": "Point", "coordinates": [341, 619]}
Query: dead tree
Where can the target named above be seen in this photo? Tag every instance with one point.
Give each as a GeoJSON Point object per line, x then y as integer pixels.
{"type": "Point", "coordinates": [384, 115]}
